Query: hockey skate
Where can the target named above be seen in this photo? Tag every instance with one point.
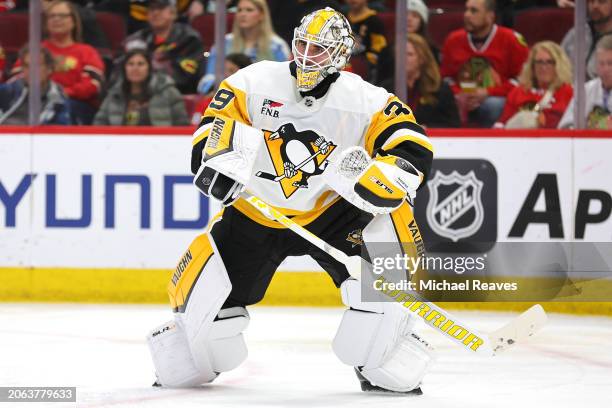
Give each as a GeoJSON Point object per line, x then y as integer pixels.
{"type": "Point", "coordinates": [367, 386]}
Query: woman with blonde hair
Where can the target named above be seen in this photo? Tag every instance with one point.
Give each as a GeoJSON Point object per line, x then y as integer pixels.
{"type": "Point", "coordinates": [252, 35]}
{"type": "Point", "coordinates": [430, 98]}
{"type": "Point", "coordinates": [544, 90]}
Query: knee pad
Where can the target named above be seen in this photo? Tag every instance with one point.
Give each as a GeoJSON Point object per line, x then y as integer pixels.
{"type": "Point", "coordinates": [377, 339]}
{"type": "Point", "coordinates": [203, 340]}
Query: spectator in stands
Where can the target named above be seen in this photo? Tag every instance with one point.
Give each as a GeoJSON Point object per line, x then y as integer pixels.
{"type": "Point", "coordinates": [417, 20]}
{"type": "Point", "coordinates": [91, 33]}
{"type": "Point", "coordinates": [176, 47]}
{"type": "Point", "coordinates": [416, 23]}
{"type": "Point", "coordinates": [78, 66]}
{"type": "Point", "coordinates": [287, 14]}
{"type": "Point", "coordinates": [54, 108]}
{"type": "Point", "coordinates": [430, 98]}
{"type": "Point", "coordinates": [481, 60]}
{"type": "Point", "coordinates": [598, 103]}
{"type": "Point", "coordinates": [418, 16]}
{"type": "Point", "coordinates": [598, 26]}
{"type": "Point", "coordinates": [142, 97]}
{"type": "Point", "coordinates": [544, 91]}
{"type": "Point", "coordinates": [252, 35]}
{"type": "Point", "coordinates": [369, 35]}
{"type": "Point", "coordinates": [233, 63]}
{"type": "Point", "coordinates": [136, 11]}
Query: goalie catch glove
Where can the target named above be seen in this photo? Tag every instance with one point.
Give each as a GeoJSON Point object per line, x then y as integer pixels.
{"type": "Point", "coordinates": [229, 155]}
{"type": "Point", "coordinates": [378, 185]}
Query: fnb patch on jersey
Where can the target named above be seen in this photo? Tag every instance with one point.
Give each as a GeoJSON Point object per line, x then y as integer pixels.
{"type": "Point", "coordinates": [269, 106]}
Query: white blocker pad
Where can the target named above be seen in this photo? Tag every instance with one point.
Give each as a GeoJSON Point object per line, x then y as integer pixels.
{"type": "Point", "coordinates": [377, 338]}
{"type": "Point", "coordinates": [231, 148]}
{"type": "Point", "coordinates": [203, 340]}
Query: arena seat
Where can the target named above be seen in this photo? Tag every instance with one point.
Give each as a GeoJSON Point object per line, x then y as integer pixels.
{"type": "Point", "coordinates": [440, 25]}
{"type": "Point", "coordinates": [446, 4]}
{"type": "Point", "coordinates": [359, 65]}
{"type": "Point", "coordinates": [388, 20]}
{"type": "Point", "coordinates": [205, 25]}
{"type": "Point", "coordinates": [547, 23]}
{"type": "Point", "coordinates": [13, 31]}
{"type": "Point", "coordinates": [190, 103]}
{"type": "Point", "coordinates": [113, 26]}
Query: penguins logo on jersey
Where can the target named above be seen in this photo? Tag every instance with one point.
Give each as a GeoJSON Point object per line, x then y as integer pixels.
{"type": "Point", "coordinates": [355, 237]}
{"type": "Point", "coordinates": [296, 157]}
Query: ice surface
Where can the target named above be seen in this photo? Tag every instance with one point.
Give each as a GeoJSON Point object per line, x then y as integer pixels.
{"type": "Point", "coordinates": [101, 350]}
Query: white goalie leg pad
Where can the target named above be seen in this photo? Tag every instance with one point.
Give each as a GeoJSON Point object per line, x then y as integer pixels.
{"type": "Point", "coordinates": [377, 338]}
{"type": "Point", "coordinates": [174, 364]}
{"type": "Point", "coordinates": [224, 350]}
{"type": "Point", "coordinates": [227, 348]}
{"type": "Point", "coordinates": [203, 340]}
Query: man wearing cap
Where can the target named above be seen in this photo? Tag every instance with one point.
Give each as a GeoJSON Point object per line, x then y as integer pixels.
{"type": "Point", "coordinates": [176, 47]}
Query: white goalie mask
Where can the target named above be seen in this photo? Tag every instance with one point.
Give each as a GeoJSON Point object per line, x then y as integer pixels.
{"type": "Point", "coordinates": [321, 45]}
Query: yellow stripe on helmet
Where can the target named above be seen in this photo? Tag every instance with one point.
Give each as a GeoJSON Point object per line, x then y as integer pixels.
{"type": "Point", "coordinates": [318, 21]}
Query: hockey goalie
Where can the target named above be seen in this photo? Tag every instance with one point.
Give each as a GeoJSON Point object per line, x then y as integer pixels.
{"type": "Point", "coordinates": [279, 131]}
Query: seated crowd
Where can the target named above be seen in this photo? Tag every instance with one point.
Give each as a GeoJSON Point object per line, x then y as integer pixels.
{"type": "Point", "coordinates": [483, 74]}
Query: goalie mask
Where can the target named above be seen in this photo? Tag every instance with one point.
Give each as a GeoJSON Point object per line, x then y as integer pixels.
{"type": "Point", "coordinates": [321, 46]}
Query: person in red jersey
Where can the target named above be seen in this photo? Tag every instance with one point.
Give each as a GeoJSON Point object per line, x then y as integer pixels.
{"type": "Point", "coordinates": [481, 61]}
{"type": "Point", "coordinates": [78, 66]}
{"type": "Point", "coordinates": [545, 88]}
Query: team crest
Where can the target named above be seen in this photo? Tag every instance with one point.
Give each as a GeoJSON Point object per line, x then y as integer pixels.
{"type": "Point", "coordinates": [355, 238]}
{"type": "Point", "coordinates": [455, 209]}
{"type": "Point", "coordinates": [296, 157]}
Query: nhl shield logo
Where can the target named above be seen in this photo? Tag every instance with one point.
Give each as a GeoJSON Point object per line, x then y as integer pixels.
{"type": "Point", "coordinates": [455, 209]}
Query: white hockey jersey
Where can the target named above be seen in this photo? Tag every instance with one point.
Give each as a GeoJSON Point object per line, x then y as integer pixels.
{"type": "Point", "coordinates": [302, 133]}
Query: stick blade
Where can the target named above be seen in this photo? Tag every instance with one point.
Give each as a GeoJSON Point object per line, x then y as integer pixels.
{"type": "Point", "coordinates": [518, 330]}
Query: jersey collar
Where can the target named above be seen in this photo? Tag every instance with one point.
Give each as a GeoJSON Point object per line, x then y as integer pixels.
{"type": "Point", "coordinates": [487, 42]}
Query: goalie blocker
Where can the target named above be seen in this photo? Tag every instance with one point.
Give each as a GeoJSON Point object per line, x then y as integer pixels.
{"type": "Point", "coordinates": [228, 159]}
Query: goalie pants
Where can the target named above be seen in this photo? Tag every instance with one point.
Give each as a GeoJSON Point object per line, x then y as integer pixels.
{"type": "Point", "coordinates": [252, 252]}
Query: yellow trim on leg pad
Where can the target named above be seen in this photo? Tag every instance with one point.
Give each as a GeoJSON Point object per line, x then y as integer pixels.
{"type": "Point", "coordinates": [187, 271]}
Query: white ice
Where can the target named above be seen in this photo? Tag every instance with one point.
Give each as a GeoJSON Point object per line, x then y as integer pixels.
{"type": "Point", "coordinates": [100, 349]}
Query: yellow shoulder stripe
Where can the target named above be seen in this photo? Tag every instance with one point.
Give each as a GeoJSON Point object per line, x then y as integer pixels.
{"type": "Point", "coordinates": [395, 115]}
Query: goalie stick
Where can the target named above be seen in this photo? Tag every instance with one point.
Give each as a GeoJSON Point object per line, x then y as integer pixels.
{"type": "Point", "coordinates": [488, 344]}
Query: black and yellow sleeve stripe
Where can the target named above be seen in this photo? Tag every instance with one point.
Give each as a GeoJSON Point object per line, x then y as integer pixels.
{"type": "Point", "coordinates": [394, 130]}
{"type": "Point", "coordinates": [229, 101]}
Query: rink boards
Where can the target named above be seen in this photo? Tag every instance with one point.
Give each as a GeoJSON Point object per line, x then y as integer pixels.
{"type": "Point", "coordinates": [102, 214]}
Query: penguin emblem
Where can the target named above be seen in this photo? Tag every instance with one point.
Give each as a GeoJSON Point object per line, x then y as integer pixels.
{"type": "Point", "coordinates": [296, 157]}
